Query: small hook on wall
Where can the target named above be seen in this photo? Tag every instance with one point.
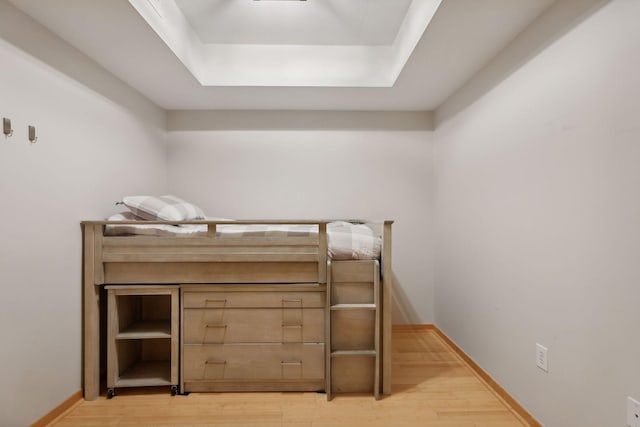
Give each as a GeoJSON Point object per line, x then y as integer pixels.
{"type": "Point", "coordinates": [32, 134]}
{"type": "Point", "coordinates": [6, 127]}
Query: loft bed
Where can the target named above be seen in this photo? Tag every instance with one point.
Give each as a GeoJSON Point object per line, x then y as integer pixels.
{"type": "Point", "coordinates": [241, 271]}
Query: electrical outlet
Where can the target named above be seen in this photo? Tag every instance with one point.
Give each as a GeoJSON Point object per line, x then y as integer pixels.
{"type": "Point", "coordinates": [542, 359]}
{"type": "Point", "coordinates": [633, 412]}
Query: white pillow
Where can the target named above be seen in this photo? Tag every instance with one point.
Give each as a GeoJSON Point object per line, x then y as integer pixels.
{"type": "Point", "coordinates": [163, 208]}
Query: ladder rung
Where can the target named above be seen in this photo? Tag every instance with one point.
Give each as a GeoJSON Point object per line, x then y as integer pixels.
{"type": "Point", "coordinates": [353, 307]}
{"type": "Point", "coordinates": [374, 352]}
{"type": "Point", "coordinates": [340, 353]}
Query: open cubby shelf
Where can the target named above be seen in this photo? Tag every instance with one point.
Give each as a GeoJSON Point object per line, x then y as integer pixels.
{"type": "Point", "coordinates": [142, 336]}
{"type": "Point", "coordinates": [146, 329]}
{"type": "Point", "coordinates": [146, 373]}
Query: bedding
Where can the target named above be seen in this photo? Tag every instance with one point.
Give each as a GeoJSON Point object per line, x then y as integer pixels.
{"type": "Point", "coordinates": [345, 241]}
{"type": "Point", "coordinates": [142, 229]}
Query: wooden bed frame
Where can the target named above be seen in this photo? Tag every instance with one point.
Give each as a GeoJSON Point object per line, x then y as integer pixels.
{"type": "Point", "coordinates": [211, 261]}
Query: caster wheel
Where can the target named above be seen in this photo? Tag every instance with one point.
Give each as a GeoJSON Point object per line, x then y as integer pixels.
{"type": "Point", "coordinates": [174, 390]}
{"type": "Point", "coordinates": [110, 393]}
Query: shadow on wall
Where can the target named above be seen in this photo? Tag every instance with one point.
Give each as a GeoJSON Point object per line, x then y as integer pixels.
{"type": "Point", "coordinates": [23, 32]}
{"type": "Point", "coordinates": [402, 310]}
{"type": "Point", "coordinates": [556, 21]}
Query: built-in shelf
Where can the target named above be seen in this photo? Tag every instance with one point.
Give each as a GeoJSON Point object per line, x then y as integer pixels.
{"type": "Point", "coordinates": [146, 373]}
{"type": "Point", "coordinates": [146, 329]}
{"type": "Point", "coordinates": [142, 336]}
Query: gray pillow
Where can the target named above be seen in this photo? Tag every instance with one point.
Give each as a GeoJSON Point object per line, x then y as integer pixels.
{"type": "Point", "coordinates": [163, 208]}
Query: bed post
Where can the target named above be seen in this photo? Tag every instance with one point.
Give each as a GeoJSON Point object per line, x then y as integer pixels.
{"type": "Point", "coordinates": [322, 252]}
{"type": "Point", "coordinates": [91, 296]}
{"type": "Point", "coordinates": [211, 229]}
{"type": "Point", "coordinates": [387, 297]}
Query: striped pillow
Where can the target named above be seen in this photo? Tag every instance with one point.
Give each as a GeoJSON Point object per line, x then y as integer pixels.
{"type": "Point", "coordinates": [352, 241]}
{"type": "Point", "coordinates": [163, 208]}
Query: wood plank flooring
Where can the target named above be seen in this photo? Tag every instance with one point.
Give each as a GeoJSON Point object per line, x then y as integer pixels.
{"type": "Point", "coordinates": [432, 387]}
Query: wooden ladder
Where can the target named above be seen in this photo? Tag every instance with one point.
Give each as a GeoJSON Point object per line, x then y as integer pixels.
{"type": "Point", "coordinates": [357, 336]}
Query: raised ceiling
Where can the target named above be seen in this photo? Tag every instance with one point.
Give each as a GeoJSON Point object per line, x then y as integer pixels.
{"type": "Point", "coordinates": [460, 39]}
{"type": "Point", "coordinates": [311, 22]}
{"type": "Point", "coordinates": [335, 51]}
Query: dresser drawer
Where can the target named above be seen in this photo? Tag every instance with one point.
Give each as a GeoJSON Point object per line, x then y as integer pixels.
{"type": "Point", "coordinates": [253, 362]}
{"type": "Point", "coordinates": [194, 299]}
{"type": "Point", "coordinates": [253, 325]}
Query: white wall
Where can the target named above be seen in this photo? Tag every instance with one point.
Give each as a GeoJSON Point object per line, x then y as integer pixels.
{"type": "Point", "coordinates": [91, 151]}
{"type": "Point", "coordinates": [535, 194]}
{"type": "Point", "coordinates": [316, 165]}
{"type": "Point", "coordinates": [538, 223]}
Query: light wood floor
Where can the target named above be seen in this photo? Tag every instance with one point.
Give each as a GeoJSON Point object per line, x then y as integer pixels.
{"type": "Point", "coordinates": [432, 386]}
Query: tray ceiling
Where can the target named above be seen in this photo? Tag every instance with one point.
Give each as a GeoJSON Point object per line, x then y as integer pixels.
{"type": "Point", "coordinates": [438, 55]}
{"type": "Point", "coordinates": [311, 22]}
{"type": "Point", "coordinates": [312, 43]}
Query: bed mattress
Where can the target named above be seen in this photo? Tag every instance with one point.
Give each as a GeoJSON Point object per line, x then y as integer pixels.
{"type": "Point", "coordinates": [345, 241]}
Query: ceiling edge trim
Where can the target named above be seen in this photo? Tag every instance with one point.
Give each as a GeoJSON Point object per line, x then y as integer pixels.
{"type": "Point", "coordinates": [292, 120]}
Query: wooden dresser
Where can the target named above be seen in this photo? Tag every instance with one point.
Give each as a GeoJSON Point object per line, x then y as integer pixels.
{"type": "Point", "coordinates": [253, 337]}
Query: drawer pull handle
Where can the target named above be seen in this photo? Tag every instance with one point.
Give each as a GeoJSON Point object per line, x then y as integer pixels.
{"type": "Point", "coordinates": [291, 362]}
{"type": "Point", "coordinates": [298, 326]}
{"type": "Point", "coordinates": [216, 326]}
{"type": "Point", "coordinates": [215, 362]}
{"type": "Point", "coordinates": [291, 300]}
{"type": "Point", "coordinates": [224, 301]}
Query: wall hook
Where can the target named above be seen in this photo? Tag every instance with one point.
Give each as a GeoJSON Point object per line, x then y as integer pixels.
{"type": "Point", "coordinates": [6, 127]}
{"type": "Point", "coordinates": [32, 134]}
